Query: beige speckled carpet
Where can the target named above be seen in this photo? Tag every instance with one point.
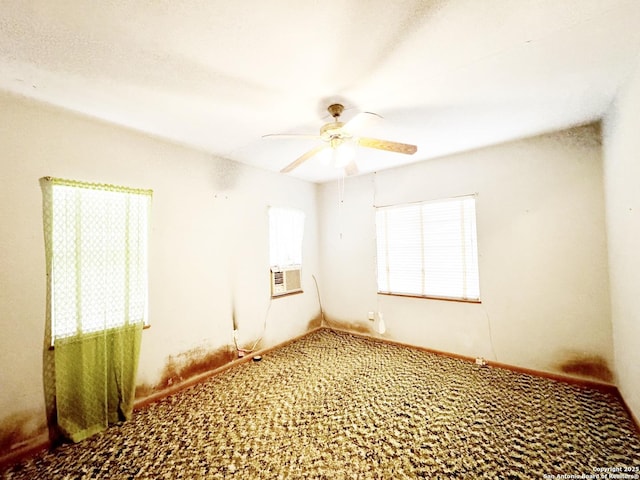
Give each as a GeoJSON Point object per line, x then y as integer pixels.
{"type": "Point", "coordinates": [332, 405]}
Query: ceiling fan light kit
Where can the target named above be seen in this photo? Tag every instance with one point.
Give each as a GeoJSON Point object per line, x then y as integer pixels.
{"type": "Point", "coordinates": [343, 152]}
{"type": "Point", "coordinates": [341, 138]}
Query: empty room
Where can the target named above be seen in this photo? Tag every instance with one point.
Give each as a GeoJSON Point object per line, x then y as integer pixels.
{"type": "Point", "coordinates": [340, 239]}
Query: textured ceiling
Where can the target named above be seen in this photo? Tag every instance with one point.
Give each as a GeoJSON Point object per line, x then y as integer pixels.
{"type": "Point", "coordinates": [446, 75]}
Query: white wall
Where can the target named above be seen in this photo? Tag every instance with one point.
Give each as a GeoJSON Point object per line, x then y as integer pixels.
{"type": "Point", "coordinates": [622, 188]}
{"type": "Point", "coordinates": [208, 247]}
{"type": "Point", "coordinates": [541, 230]}
{"type": "Point", "coordinates": [542, 254]}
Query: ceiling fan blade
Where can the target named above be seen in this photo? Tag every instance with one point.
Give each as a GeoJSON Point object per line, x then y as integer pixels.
{"type": "Point", "coordinates": [387, 145]}
{"type": "Point", "coordinates": [303, 158]}
{"type": "Point", "coordinates": [351, 168]}
{"type": "Point", "coordinates": [361, 121]}
{"type": "Point", "coordinates": [292, 135]}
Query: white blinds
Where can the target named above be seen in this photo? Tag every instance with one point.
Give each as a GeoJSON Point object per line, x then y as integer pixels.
{"type": "Point", "coordinates": [286, 229]}
{"type": "Point", "coordinates": [429, 249]}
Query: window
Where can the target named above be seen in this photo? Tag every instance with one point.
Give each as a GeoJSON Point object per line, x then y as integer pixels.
{"type": "Point", "coordinates": [97, 239]}
{"type": "Point", "coordinates": [429, 249]}
{"type": "Point", "coordinates": [286, 229]}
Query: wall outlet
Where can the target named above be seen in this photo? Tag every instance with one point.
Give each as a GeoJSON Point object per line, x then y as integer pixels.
{"type": "Point", "coordinates": [372, 316]}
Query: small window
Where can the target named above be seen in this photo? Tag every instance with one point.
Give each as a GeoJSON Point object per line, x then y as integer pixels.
{"type": "Point", "coordinates": [429, 249]}
{"type": "Point", "coordinates": [286, 229]}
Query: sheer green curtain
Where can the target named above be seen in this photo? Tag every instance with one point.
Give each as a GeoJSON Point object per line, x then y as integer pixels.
{"type": "Point", "coordinates": [96, 239]}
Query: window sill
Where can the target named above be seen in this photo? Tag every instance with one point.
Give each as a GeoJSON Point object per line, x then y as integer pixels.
{"type": "Point", "coordinates": [144, 327]}
{"type": "Point", "coordinates": [273, 297]}
{"type": "Point", "coordinates": [429, 297]}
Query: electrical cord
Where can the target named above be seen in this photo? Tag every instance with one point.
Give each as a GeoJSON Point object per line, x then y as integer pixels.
{"type": "Point", "coordinates": [264, 326]}
{"type": "Point", "coordinates": [319, 300]}
{"type": "Point", "coordinates": [493, 350]}
{"type": "Point", "coordinates": [255, 344]}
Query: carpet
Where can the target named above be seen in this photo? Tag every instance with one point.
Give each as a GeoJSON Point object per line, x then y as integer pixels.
{"type": "Point", "coordinates": [333, 405]}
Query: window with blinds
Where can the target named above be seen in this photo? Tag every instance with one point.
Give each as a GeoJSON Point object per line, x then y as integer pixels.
{"type": "Point", "coordinates": [429, 249]}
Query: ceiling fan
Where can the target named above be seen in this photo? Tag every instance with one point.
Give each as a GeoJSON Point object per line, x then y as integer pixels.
{"type": "Point", "coordinates": [341, 138]}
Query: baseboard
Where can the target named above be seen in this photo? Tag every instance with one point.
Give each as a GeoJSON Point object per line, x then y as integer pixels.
{"type": "Point", "coordinates": [43, 442]}
{"type": "Point", "coordinates": [633, 418]}
{"type": "Point", "coordinates": [146, 401]}
{"type": "Point", "coordinates": [36, 445]}
{"type": "Point", "coordinates": [583, 382]}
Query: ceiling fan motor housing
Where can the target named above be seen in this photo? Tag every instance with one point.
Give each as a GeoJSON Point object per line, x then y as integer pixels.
{"type": "Point", "coordinates": [332, 130]}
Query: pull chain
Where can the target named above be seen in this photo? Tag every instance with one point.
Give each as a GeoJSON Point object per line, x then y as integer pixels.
{"type": "Point", "coordinates": [340, 201]}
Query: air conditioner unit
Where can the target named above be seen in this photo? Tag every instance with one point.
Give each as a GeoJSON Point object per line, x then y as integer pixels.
{"type": "Point", "coordinates": [285, 280]}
